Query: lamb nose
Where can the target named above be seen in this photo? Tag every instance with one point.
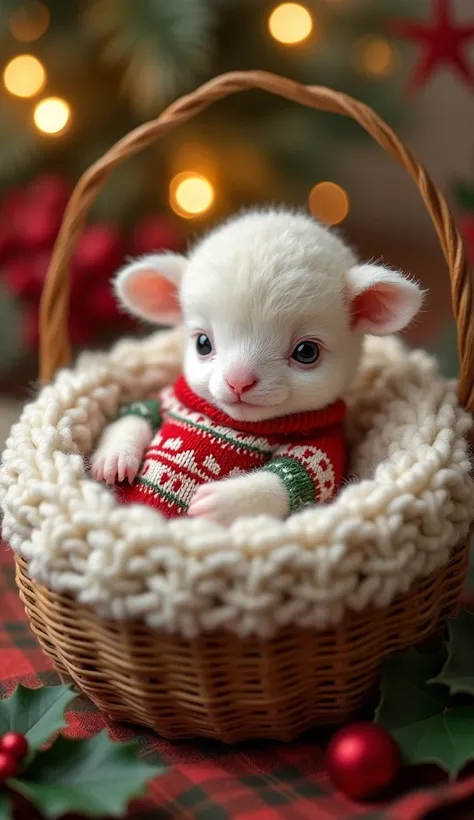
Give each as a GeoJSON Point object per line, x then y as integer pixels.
{"type": "Point", "coordinates": [241, 384]}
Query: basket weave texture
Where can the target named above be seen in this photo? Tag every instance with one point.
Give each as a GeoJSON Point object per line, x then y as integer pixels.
{"type": "Point", "coordinates": [292, 629]}
{"type": "Point", "coordinates": [225, 687]}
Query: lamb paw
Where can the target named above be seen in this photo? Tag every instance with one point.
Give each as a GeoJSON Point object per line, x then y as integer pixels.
{"type": "Point", "coordinates": [114, 467]}
{"type": "Point", "coordinates": [213, 502]}
{"type": "Point", "coordinates": [260, 493]}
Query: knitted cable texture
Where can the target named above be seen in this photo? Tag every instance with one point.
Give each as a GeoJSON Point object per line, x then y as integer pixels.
{"type": "Point", "coordinates": [409, 500]}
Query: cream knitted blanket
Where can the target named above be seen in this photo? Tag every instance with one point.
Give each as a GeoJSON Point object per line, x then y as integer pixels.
{"type": "Point", "coordinates": [409, 500]}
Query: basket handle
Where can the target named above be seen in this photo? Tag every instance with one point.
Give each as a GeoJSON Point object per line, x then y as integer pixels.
{"type": "Point", "coordinates": [54, 342]}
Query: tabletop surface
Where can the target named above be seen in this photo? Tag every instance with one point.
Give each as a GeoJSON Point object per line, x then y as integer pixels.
{"type": "Point", "coordinates": [209, 781]}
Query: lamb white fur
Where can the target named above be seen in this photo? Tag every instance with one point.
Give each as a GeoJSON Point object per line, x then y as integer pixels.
{"type": "Point", "coordinates": [257, 287]}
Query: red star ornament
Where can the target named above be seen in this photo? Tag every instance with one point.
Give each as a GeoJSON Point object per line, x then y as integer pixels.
{"type": "Point", "coordinates": [443, 40]}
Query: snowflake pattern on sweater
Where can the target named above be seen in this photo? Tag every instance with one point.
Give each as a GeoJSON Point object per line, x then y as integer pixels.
{"type": "Point", "coordinates": [195, 443]}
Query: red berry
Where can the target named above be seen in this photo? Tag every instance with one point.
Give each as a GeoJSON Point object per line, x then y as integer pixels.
{"type": "Point", "coordinates": [14, 744]}
{"type": "Point", "coordinates": [155, 233]}
{"type": "Point", "coordinates": [362, 760]}
{"type": "Point", "coordinates": [8, 766]}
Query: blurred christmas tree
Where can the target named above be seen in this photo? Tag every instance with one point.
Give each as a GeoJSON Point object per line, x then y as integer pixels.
{"type": "Point", "coordinates": [103, 66]}
{"type": "Point", "coordinates": [79, 74]}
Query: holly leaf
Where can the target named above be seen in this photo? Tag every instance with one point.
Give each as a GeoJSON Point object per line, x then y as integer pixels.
{"type": "Point", "coordinates": [420, 715]}
{"type": "Point", "coordinates": [5, 806]}
{"type": "Point", "coordinates": [458, 671]}
{"type": "Point", "coordinates": [95, 777]}
{"type": "Point", "coordinates": [36, 713]}
{"type": "Point", "coordinates": [405, 695]}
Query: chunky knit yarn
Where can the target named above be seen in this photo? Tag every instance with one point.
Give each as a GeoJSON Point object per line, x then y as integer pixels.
{"type": "Point", "coordinates": [409, 500]}
{"type": "Point", "coordinates": [196, 443]}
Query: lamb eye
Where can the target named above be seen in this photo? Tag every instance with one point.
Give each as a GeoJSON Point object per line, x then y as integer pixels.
{"type": "Point", "coordinates": [306, 353]}
{"type": "Point", "coordinates": [203, 345]}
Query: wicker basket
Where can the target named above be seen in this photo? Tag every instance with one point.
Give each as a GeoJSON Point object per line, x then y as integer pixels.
{"type": "Point", "coordinates": [219, 685]}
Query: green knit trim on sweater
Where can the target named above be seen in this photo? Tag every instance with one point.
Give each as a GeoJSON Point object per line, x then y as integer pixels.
{"type": "Point", "coordinates": [171, 497]}
{"type": "Point", "coordinates": [297, 481]}
{"type": "Point", "coordinates": [237, 443]}
{"type": "Point", "coordinates": [148, 410]}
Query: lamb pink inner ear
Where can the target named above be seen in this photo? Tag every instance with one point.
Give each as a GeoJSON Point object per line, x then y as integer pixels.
{"type": "Point", "coordinates": [379, 306]}
{"type": "Point", "coordinates": [153, 294]}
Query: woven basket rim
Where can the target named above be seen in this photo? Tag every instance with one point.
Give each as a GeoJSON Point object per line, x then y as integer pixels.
{"type": "Point", "coordinates": [55, 348]}
{"type": "Point", "coordinates": [188, 575]}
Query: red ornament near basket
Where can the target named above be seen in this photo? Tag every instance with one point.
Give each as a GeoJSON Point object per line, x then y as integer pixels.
{"type": "Point", "coordinates": [362, 760]}
{"type": "Point", "coordinates": [14, 744]}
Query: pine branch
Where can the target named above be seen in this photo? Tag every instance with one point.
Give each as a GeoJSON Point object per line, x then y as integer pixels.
{"type": "Point", "coordinates": [163, 45]}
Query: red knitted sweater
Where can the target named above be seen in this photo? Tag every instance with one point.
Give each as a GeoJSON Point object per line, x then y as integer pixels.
{"type": "Point", "coordinates": [195, 443]}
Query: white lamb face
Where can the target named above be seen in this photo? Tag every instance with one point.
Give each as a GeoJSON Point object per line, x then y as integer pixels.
{"type": "Point", "coordinates": [264, 294]}
{"type": "Point", "coordinates": [274, 307]}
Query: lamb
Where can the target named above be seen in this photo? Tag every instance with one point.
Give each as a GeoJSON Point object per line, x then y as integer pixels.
{"type": "Point", "coordinates": [274, 309]}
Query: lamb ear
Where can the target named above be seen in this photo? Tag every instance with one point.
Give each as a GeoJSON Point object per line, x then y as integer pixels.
{"type": "Point", "coordinates": [148, 287]}
{"type": "Point", "coordinates": [382, 301]}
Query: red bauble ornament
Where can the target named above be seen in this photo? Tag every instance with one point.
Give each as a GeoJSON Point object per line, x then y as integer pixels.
{"type": "Point", "coordinates": [99, 252]}
{"type": "Point", "coordinates": [155, 233]}
{"type": "Point", "coordinates": [8, 766]}
{"type": "Point", "coordinates": [362, 760]}
{"type": "Point", "coordinates": [14, 744]}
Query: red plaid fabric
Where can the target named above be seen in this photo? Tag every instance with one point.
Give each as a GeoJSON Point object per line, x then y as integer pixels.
{"type": "Point", "coordinates": [208, 781]}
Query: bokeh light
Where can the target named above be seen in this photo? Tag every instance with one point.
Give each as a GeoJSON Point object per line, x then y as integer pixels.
{"type": "Point", "coordinates": [290, 23]}
{"type": "Point", "coordinates": [375, 57]}
{"type": "Point", "coordinates": [29, 22]}
{"type": "Point", "coordinates": [191, 194]}
{"type": "Point", "coordinates": [329, 203]}
{"type": "Point", "coordinates": [24, 76]}
{"type": "Point", "coordinates": [52, 115]}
